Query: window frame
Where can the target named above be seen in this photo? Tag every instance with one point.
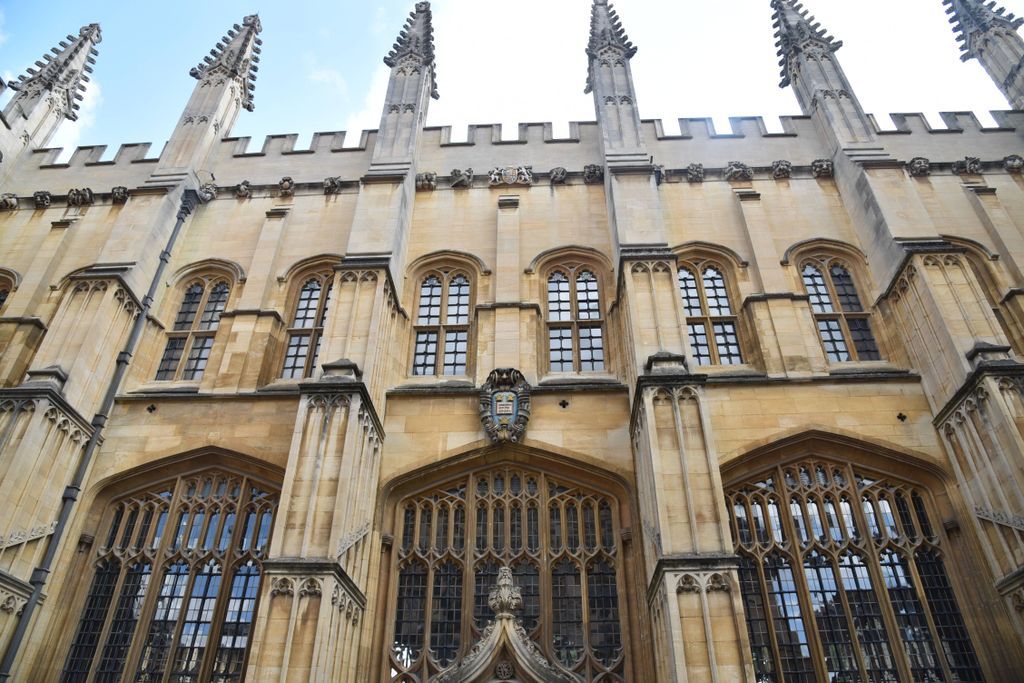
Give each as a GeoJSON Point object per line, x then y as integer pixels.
{"type": "Point", "coordinates": [442, 328]}
{"type": "Point", "coordinates": [839, 313]}
{"type": "Point", "coordinates": [572, 270]}
{"type": "Point", "coordinates": [196, 332]}
{"type": "Point", "coordinates": [315, 332]}
{"type": "Point", "coordinates": [697, 267]}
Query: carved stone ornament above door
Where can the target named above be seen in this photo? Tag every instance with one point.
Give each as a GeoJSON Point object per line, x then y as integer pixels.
{"type": "Point", "coordinates": [505, 405]}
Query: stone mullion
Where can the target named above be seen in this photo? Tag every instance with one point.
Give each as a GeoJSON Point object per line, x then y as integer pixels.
{"type": "Point", "coordinates": [986, 470]}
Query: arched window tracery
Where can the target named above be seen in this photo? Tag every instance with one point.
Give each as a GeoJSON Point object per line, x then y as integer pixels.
{"type": "Point", "coordinates": [710, 318]}
{"type": "Point", "coordinates": [191, 337]}
{"type": "Point", "coordinates": [842, 578]}
{"type": "Point", "coordinates": [306, 328]}
{"type": "Point", "coordinates": [441, 344]}
{"type": "Point", "coordinates": [173, 595]}
{"type": "Point", "coordinates": [844, 325]}
{"type": "Point", "coordinates": [561, 543]}
{"type": "Point", "coordinates": [575, 317]}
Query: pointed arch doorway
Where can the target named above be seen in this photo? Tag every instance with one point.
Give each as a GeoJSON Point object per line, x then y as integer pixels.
{"type": "Point", "coordinates": [559, 527]}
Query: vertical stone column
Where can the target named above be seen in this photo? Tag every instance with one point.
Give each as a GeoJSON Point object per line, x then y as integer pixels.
{"type": "Point", "coordinates": [509, 316]}
{"type": "Point", "coordinates": [693, 594]}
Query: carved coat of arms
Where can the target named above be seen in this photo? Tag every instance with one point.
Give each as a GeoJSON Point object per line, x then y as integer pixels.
{"type": "Point", "coordinates": [505, 405]}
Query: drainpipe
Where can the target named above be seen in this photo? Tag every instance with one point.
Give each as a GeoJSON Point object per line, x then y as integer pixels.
{"type": "Point", "coordinates": [71, 492]}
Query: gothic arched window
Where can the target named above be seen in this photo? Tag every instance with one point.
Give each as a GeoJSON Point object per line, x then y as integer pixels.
{"type": "Point", "coordinates": [844, 326]}
{"type": "Point", "coordinates": [191, 338]}
{"type": "Point", "coordinates": [177, 576]}
{"type": "Point", "coordinates": [710, 320]}
{"type": "Point", "coordinates": [442, 325]}
{"type": "Point", "coordinates": [561, 543]}
{"type": "Point", "coordinates": [843, 578]}
{"type": "Point", "coordinates": [575, 321]}
{"type": "Point", "coordinates": [307, 327]}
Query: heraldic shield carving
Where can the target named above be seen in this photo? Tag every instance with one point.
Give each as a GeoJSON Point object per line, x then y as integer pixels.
{"type": "Point", "coordinates": [505, 405]}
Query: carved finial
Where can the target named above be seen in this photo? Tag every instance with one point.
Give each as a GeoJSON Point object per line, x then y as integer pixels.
{"type": "Point", "coordinates": [237, 57]}
{"type": "Point", "coordinates": [795, 31]}
{"type": "Point", "coordinates": [506, 598]}
{"type": "Point", "coordinates": [63, 71]}
{"type": "Point", "coordinates": [416, 42]}
{"type": "Point", "coordinates": [607, 37]}
{"type": "Point", "coordinates": [972, 18]}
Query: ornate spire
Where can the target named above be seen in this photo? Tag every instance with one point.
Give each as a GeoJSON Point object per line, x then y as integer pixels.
{"type": "Point", "coordinates": [796, 30]}
{"type": "Point", "coordinates": [416, 41]}
{"type": "Point", "coordinates": [971, 18]}
{"type": "Point", "coordinates": [607, 36]}
{"type": "Point", "coordinates": [236, 56]}
{"type": "Point", "coordinates": [64, 72]}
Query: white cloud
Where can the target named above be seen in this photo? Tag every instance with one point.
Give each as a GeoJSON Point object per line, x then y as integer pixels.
{"type": "Point", "coordinates": [368, 116]}
{"type": "Point", "coordinates": [70, 133]}
{"type": "Point", "coordinates": [3, 25]}
{"type": "Point", "coordinates": [326, 76]}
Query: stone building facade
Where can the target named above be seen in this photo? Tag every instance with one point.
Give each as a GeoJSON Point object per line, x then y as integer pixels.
{"type": "Point", "coordinates": [621, 406]}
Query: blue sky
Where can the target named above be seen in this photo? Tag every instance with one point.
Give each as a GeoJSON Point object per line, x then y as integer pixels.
{"type": "Point", "coordinates": [498, 62]}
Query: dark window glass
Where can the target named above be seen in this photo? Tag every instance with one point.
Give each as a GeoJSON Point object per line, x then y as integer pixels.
{"type": "Point", "coordinates": [172, 356]}
{"type": "Point", "coordinates": [458, 301]}
{"type": "Point", "coordinates": [409, 617]}
{"type": "Point", "coordinates": [846, 292]}
{"type": "Point", "coordinates": [559, 303]}
{"type": "Point", "coordinates": [956, 643]}
{"type": "Point", "coordinates": [454, 299]}
{"type": "Point", "coordinates": [446, 613]}
{"type": "Point", "coordinates": [691, 295]}
{"type": "Point", "coordinates": [567, 612]}
{"type": "Point", "coordinates": [189, 307]}
{"type": "Point", "coordinates": [193, 334]}
{"type": "Point", "coordinates": [573, 346]}
{"type": "Point", "coordinates": [306, 332]}
{"type": "Point", "coordinates": [603, 597]}
{"type": "Point", "coordinates": [700, 346]}
{"type": "Point", "coordinates": [425, 358]}
{"type": "Point", "coordinates": [710, 323]}
{"type": "Point", "coordinates": [560, 349]}
{"type": "Point", "coordinates": [309, 302]}
{"type": "Point", "coordinates": [831, 333]}
{"type": "Point", "coordinates": [91, 623]}
{"type": "Point", "coordinates": [844, 328]}
{"type": "Point", "coordinates": [214, 307]}
{"type": "Point", "coordinates": [814, 281]}
{"type": "Point", "coordinates": [295, 356]}
{"type": "Point", "coordinates": [863, 339]}
{"type": "Point", "coordinates": [715, 291]}
{"type": "Point", "coordinates": [197, 357]}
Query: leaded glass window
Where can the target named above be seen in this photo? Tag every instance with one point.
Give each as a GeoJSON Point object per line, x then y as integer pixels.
{"type": "Point", "coordinates": [173, 594]}
{"type": "Point", "coordinates": [190, 340]}
{"type": "Point", "coordinates": [307, 327]}
{"type": "Point", "coordinates": [559, 540]}
{"type": "Point", "coordinates": [575, 321]}
{"type": "Point", "coordinates": [710, 320]}
{"type": "Point", "coordinates": [843, 580]}
{"type": "Point", "coordinates": [844, 327]}
{"type": "Point", "coordinates": [441, 334]}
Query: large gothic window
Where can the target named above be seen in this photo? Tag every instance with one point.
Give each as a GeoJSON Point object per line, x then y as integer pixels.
{"type": "Point", "coordinates": [843, 579]}
{"type": "Point", "coordinates": [844, 326]}
{"type": "Point", "coordinates": [177, 575]}
{"type": "Point", "coordinates": [559, 540]}
{"type": "Point", "coordinates": [191, 338]}
{"type": "Point", "coordinates": [442, 325]}
{"type": "Point", "coordinates": [710, 320]}
{"type": "Point", "coordinates": [307, 327]}
{"type": "Point", "coordinates": [575, 321]}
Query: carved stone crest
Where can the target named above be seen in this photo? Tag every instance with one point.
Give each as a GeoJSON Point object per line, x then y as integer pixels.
{"type": "Point", "coordinates": [42, 199]}
{"type": "Point", "coordinates": [287, 186]}
{"type": "Point", "coordinates": [80, 197]}
{"type": "Point", "coordinates": [8, 201]}
{"type": "Point", "coordinates": [969, 166]}
{"type": "Point", "coordinates": [1014, 163]}
{"type": "Point", "coordinates": [822, 168]}
{"type": "Point", "coordinates": [426, 182]}
{"type": "Point", "coordinates": [462, 178]}
{"type": "Point", "coordinates": [505, 405]}
{"type": "Point", "coordinates": [119, 194]}
{"type": "Point", "coordinates": [558, 175]}
{"type": "Point", "coordinates": [593, 174]}
{"type": "Point", "coordinates": [332, 185]}
{"type": "Point", "coordinates": [919, 167]}
{"type": "Point", "coordinates": [511, 175]}
{"type": "Point", "coordinates": [737, 170]}
{"type": "Point", "coordinates": [782, 169]}
{"type": "Point", "coordinates": [695, 173]}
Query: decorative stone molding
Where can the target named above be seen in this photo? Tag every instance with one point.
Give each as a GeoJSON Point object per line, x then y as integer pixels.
{"type": "Point", "coordinates": [822, 168]}
{"type": "Point", "coordinates": [1014, 163]}
{"type": "Point", "coordinates": [282, 585]}
{"type": "Point", "coordinates": [426, 182]}
{"type": "Point", "coordinates": [695, 173]}
{"type": "Point", "coordinates": [328, 401]}
{"type": "Point", "coordinates": [511, 175]}
{"type": "Point", "coordinates": [350, 539]}
{"type": "Point", "coordinates": [311, 587]}
{"type": "Point", "coordinates": [462, 178]}
{"type": "Point", "coordinates": [119, 194]}
{"type": "Point", "coordinates": [505, 598]}
{"type": "Point", "coordinates": [919, 167]}
{"type": "Point", "coordinates": [80, 197]}
{"type": "Point", "coordinates": [286, 186]}
{"type": "Point", "coordinates": [558, 175]}
{"type": "Point", "coordinates": [207, 192]}
{"type": "Point", "coordinates": [593, 174]}
{"type": "Point", "coordinates": [43, 199]}
{"type": "Point", "coordinates": [332, 185]}
{"type": "Point", "coordinates": [26, 535]}
{"type": "Point", "coordinates": [8, 201]}
{"type": "Point", "coordinates": [737, 170]}
{"type": "Point", "coordinates": [714, 582]}
{"type": "Point", "coordinates": [243, 190]}
{"type": "Point", "coordinates": [1018, 599]}
{"type": "Point", "coordinates": [968, 166]}
{"type": "Point", "coordinates": [782, 169]}
{"type": "Point", "coordinates": [10, 603]}
{"type": "Point", "coordinates": [505, 405]}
